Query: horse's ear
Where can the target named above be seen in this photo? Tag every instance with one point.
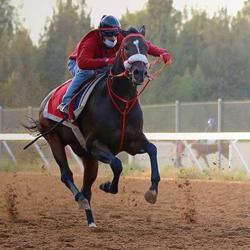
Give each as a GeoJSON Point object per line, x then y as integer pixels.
{"type": "Point", "coordinates": [130, 30]}
{"type": "Point", "coordinates": [124, 32]}
{"type": "Point", "coordinates": [142, 30]}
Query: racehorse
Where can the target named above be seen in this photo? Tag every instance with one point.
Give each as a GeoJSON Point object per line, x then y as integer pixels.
{"type": "Point", "coordinates": [112, 121]}
{"type": "Point", "coordinates": [202, 149]}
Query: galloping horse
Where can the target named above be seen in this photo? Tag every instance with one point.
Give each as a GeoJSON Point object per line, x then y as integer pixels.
{"type": "Point", "coordinates": [112, 121]}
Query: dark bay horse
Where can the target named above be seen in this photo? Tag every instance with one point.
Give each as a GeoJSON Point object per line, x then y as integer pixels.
{"type": "Point", "coordinates": [105, 128]}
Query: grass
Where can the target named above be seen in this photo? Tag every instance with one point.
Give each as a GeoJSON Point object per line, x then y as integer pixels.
{"type": "Point", "coordinates": [206, 174]}
{"type": "Point", "coordinates": [190, 173]}
{"type": "Point", "coordinates": [9, 166]}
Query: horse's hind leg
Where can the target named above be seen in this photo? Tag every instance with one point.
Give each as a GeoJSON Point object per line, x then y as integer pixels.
{"type": "Point", "coordinates": [205, 160]}
{"type": "Point", "coordinates": [103, 154]}
{"type": "Point", "coordinates": [59, 154]}
{"type": "Point", "coordinates": [225, 149]}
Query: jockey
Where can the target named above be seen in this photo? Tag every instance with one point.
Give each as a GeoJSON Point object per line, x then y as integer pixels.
{"type": "Point", "coordinates": [96, 51]}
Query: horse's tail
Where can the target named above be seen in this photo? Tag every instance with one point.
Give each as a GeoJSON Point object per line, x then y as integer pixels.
{"type": "Point", "coordinates": [34, 125]}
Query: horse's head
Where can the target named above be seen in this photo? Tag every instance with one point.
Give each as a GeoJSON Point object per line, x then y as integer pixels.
{"type": "Point", "coordinates": [133, 52]}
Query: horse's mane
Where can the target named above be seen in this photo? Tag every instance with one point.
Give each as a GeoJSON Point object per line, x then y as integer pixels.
{"type": "Point", "coordinates": [130, 30]}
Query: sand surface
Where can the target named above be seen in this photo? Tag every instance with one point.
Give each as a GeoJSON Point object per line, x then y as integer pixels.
{"type": "Point", "coordinates": [38, 212]}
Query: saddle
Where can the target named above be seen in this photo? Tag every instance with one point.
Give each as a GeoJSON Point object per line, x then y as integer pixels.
{"type": "Point", "coordinates": [77, 103]}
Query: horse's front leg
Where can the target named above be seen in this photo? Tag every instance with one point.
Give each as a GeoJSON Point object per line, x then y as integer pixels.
{"type": "Point", "coordinates": [151, 194]}
{"type": "Point", "coordinates": [90, 174]}
{"type": "Point", "coordinates": [103, 154]}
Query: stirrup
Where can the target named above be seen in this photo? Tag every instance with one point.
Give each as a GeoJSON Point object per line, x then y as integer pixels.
{"type": "Point", "coordinates": [63, 109]}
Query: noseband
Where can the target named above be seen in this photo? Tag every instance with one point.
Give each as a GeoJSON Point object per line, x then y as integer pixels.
{"type": "Point", "coordinates": [128, 61]}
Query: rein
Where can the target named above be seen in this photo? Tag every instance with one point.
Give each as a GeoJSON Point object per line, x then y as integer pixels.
{"type": "Point", "coordinates": [129, 104]}
{"type": "Point", "coordinates": [158, 72]}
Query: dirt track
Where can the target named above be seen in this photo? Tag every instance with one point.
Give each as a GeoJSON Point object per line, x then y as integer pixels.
{"type": "Point", "coordinates": [187, 215]}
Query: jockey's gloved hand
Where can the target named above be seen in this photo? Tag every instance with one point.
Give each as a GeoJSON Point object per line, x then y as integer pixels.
{"type": "Point", "coordinates": [167, 58]}
{"type": "Point", "coordinates": [110, 61]}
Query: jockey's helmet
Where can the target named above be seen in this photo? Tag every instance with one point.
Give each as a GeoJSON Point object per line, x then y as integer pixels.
{"type": "Point", "coordinates": [211, 122]}
{"type": "Point", "coordinates": [109, 26]}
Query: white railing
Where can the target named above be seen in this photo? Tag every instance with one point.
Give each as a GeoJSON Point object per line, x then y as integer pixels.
{"type": "Point", "coordinates": [156, 136]}
{"type": "Point", "coordinates": [233, 137]}
{"type": "Point", "coordinates": [198, 136]}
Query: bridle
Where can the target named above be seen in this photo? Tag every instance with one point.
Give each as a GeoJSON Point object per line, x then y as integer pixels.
{"type": "Point", "coordinates": [129, 104]}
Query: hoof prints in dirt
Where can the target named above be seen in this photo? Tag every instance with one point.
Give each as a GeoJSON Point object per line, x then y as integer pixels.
{"type": "Point", "coordinates": [220, 210]}
{"type": "Point", "coordinates": [11, 202]}
{"type": "Point", "coordinates": [189, 212]}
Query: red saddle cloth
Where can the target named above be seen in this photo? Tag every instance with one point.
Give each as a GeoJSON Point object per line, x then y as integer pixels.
{"type": "Point", "coordinates": [56, 99]}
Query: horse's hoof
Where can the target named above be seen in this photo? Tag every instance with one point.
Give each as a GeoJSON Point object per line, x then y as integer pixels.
{"type": "Point", "coordinates": [107, 187]}
{"type": "Point", "coordinates": [150, 196]}
{"type": "Point", "coordinates": [92, 224]}
{"type": "Point", "coordinates": [83, 203]}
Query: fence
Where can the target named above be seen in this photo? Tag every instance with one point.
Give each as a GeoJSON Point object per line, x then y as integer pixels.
{"type": "Point", "coordinates": [177, 117]}
{"type": "Point", "coordinates": [193, 117]}
{"type": "Point", "coordinates": [162, 137]}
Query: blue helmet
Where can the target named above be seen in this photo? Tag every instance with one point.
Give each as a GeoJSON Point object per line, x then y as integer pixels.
{"type": "Point", "coordinates": [211, 122]}
{"type": "Point", "coordinates": [109, 26]}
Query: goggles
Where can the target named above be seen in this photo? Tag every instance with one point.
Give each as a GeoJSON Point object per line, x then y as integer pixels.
{"type": "Point", "coordinates": [110, 31]}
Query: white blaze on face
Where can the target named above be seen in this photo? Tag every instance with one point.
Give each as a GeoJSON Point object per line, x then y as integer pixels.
{"type": "Point", "coordinates": [136, 43]}
{"type": "Point", "coordinates": [136, 57]}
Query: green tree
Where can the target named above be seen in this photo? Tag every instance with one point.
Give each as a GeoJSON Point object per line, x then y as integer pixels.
{"type": "Point", "coordinates": [69, 22]}
{"type": "Point", "coordinates": [191, 41]}
{"type": "Point", "coordinates": [211, 53]}
{"type": "Point", "coordinates": [163, 23]}
{"type": "Point", "coordinates": [181, 88]}
{"type": "Point", "coordinates": [8, 24]}
{"type": "Point", "coordinates": [201, 86]}
{"type": "Point", "coordinates": [239, 71]}
{"type": "Point", "coordinates": [22, 87]}
{"type": "Point", "coordinates": [8, 18]}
